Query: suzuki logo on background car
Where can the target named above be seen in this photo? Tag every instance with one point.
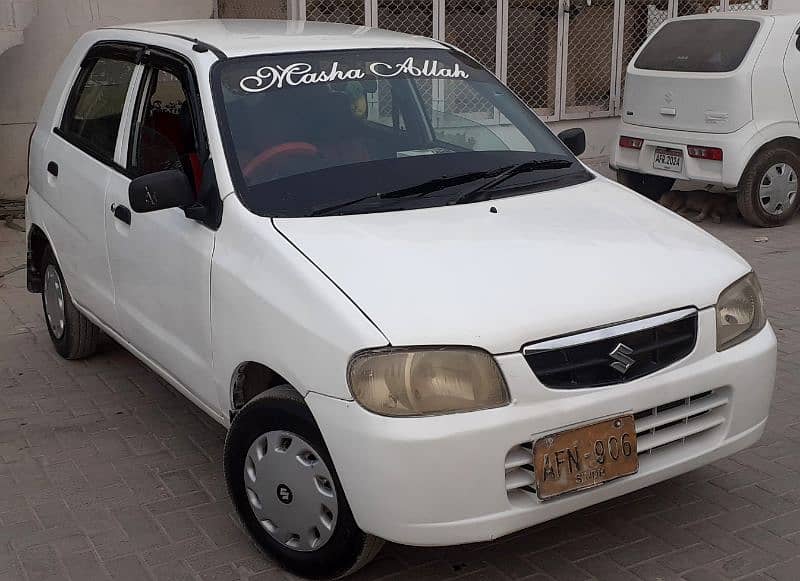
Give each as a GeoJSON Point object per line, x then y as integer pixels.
{"type": "Point", "coordinates": [622, 358]}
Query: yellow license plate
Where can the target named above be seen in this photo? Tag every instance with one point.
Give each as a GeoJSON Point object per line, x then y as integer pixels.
{"type": "Point", "coordinates": [585, 457]}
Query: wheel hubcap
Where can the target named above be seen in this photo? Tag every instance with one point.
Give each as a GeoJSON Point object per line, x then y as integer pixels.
{"type": "Point", "coordinates": [290, 490]}
{"type": "Point", "coordinates": [54, 301]}
{"type": "Point", "coordinates": [778, 189]}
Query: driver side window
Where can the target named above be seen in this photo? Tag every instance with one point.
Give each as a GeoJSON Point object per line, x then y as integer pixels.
{"type": "Point", "coordinates": [164, 135]}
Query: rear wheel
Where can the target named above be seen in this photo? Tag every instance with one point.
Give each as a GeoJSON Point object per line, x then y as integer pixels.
{"type": "Point", "coordinates": [73, 335]}
{"type": "Point", "coordinates": [768, 190]}
{"type": "Point", "coordinates": [652, 187]}
{"type": "Point", "coordinates": [286, 491]}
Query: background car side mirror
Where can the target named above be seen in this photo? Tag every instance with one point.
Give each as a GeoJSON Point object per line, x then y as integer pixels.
{"type": "Point", "coordinates": [574, 139]}
{"type": "Point", "coordinates": [161, 190]}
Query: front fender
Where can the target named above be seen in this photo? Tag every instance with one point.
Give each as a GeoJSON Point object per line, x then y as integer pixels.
{"type": "Point", "coordinates": [270, 304]}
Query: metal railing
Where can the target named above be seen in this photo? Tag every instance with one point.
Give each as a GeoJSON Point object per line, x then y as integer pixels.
{"type": "Point", "coordinates": [565, 58]}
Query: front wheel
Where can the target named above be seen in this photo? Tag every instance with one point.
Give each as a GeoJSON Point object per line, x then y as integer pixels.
{"type": "Point", "coordinates": [652, 187]}
{"type": "Point", "coordinates": [286, 491]}
{"type": "Point", "coordinates": [768, 190]}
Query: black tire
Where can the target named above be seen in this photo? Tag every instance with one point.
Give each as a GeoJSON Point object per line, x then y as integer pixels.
{"type": "Point", "coordinates": [749, 197]}
{"type": "Point", "coordinates": [651, 187]}
{"type": "Point", "coordinates": [80, 336]}
{"type": "Point", "coordinates": [282, 408]}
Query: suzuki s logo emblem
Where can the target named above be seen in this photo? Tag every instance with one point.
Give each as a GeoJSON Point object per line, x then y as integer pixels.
{"type": "Point", "coordinates": [668, 97]}
{"type": "Point", "coordinates": [622, 358]}
{"type": "Point", "coordinates": [285, 494]}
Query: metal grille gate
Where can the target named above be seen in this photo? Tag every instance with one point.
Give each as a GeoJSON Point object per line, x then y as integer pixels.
{"type": "Point", "coordinates": [565, 58]}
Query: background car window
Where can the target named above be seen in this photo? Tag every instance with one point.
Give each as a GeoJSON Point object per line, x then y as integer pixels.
{"type": "Point", "coordinates": [94, 109]}
{"type": "Point", "coordinates": [164, 137]}
{"type": "Point", "coordinates": [707, 45]}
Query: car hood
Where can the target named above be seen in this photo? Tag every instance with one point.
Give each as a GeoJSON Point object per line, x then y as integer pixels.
{"type": "Point", "coordinates": [503, 273]}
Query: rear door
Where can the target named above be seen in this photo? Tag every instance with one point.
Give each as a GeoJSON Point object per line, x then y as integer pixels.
{"type": "Point", "coordinates": [79, 158]}
{"type": "Point", "coordinates": [695, 74]}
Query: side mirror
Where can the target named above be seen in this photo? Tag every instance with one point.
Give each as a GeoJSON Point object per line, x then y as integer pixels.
{"type": "Point", "coordinates": [574, 139]}
{"type": "Point", "coordinates": [161, 190]}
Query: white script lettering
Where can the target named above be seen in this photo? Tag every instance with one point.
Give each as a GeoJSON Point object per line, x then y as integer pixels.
{"type": "Point", "coordinates": [297, 74]}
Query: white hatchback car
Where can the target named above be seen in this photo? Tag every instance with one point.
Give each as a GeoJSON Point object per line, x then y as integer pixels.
{"type": "Point", "coordinates": [715, 98]}
{"type": "Point", "coordinates": [421, 317]}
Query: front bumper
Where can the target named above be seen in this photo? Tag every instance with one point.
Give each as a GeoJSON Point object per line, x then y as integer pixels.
{"type": "Point", "coordinates": [737, 149]}
{"type": "Point", "coordinates": [453, 479]}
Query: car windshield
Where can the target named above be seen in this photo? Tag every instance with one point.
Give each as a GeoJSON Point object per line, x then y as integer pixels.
{"type": "Point", "coordinates": [362, 131]}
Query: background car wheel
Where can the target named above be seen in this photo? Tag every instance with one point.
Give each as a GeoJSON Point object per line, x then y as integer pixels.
{"type": "Point", "coordinates": [286, 491]}
{"type": "Point", "coordinates": [652, 187]}
{"type": "Point", "coordinates": [73, 335]}
{"type": "Point", "coordinates": [768, 189]}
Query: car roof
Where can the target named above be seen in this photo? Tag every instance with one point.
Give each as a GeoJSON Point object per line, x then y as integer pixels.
{"type": "Point", "coordinates": [790, 13]}
{"type": "Point", "coordinates": [246, 37]}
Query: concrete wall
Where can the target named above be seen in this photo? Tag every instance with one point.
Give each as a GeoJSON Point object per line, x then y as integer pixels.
{"type": "Point", "coordinates": [15, 15]}
{"type": "Point", "coordinates": [599, 135]}
{"type": "Point", "coordinates": [27, 68]}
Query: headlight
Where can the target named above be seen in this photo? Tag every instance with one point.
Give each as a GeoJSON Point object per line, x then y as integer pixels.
{"type": "Point", "coordinates": [740, 312]}
{"type": "Point", "coordinates": [425, 381]}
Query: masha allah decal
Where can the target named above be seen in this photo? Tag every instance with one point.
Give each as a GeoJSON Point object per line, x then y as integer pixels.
{"type": "Point", "coordinates": [296, 74]}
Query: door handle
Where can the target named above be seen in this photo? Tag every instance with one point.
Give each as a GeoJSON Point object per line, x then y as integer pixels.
{"type": "Point", "coordinates": [52, 169]}
{"type": "Point", "coordinates": [121, 213]}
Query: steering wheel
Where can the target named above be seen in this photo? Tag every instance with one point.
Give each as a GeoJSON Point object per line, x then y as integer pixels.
{"type": "Point", "coordinates": [289, 148]}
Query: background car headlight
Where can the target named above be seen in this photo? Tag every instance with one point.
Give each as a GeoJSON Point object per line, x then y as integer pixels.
{"type": "Point", "coordinates": [740, 312]}
{"type": "Point", "coordinates": [415, 382]}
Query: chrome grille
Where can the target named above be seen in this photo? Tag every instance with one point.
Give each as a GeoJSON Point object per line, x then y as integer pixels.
{"type": "Point", "coordinates": [616, 354]}
{"type": "Point", "coordinates": [658, 429]}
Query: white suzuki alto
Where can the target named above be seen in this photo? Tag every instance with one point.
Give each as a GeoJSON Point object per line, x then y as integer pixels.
{"type": "Point", "coordinates": [421, 317]}
{"type": "Point", "coordinates": [715, 98]}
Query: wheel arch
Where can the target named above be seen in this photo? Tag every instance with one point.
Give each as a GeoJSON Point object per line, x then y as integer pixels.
{"type": "Point", "coordinates": [250, 379]}
{"type": "Point", "coordinates": [38, 243]}
{"type": "Point", "coordinates": [791, 142]}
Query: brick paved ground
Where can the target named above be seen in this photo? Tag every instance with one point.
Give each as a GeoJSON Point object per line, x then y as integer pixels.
{"type": "Point", "coordinates": [107, 473]}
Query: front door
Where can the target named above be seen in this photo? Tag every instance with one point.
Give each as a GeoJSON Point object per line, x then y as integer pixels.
{"type": "Point", "coordinates": [161, 261]}
{"type": "Point", "coordinates": [791, 67]}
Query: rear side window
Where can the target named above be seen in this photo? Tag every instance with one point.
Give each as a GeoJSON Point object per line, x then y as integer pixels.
{"type": "Point", "coordinates": [708, 45]}
{"type": "Point", "coordinates": [94, 109]}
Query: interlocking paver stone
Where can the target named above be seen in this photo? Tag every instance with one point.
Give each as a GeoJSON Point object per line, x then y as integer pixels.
{"type": "Point", "coordinates": [108, 473]}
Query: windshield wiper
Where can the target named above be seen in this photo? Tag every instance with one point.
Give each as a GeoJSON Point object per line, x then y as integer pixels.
{"type": "Point", "coordinates": [481, 192]}
{"type": "Point", "coordinates": [420, 190]}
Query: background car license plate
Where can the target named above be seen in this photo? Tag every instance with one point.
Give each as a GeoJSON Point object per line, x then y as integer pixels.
{"type": "Point", "coordinates": [585, 457]}
{"type": "Point", "coordinates": [668, 159]}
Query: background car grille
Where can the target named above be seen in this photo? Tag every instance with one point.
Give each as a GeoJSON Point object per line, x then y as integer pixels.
{"type": "Point", "coordinates": [658, 429]}
{"type": "Point", "coordinates": [589, 364]}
